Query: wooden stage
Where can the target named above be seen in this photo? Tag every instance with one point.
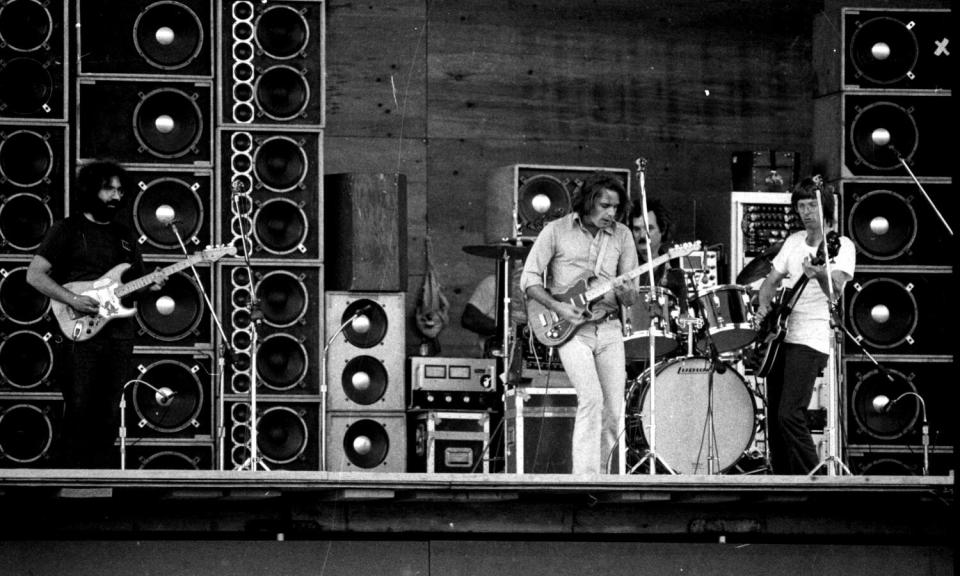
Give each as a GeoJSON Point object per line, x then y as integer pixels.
{"type": "Point", "coordinates": [42, 504]}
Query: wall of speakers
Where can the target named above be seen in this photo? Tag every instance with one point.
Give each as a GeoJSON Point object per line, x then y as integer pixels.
{"type": "Point", "coordinates": [288, 434]}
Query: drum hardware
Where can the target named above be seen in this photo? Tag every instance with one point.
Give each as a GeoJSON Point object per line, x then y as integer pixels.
{"type": "Point", "coordinates": [649, 319]}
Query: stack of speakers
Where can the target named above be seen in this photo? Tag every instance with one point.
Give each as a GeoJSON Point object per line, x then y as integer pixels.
{"type": "Point", "coordinates": [34, 168]}
{"type": "Point", "coordinates": [365, 322]}
{"type": "Point", "coordinates": [884, 88]}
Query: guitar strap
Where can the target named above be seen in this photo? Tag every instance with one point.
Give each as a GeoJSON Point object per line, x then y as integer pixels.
{"type": "Point", "coordinates": [603, 251]}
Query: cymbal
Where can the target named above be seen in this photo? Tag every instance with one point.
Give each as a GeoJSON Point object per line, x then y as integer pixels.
{"type": "Point", "coordinates": [497, 250]}
{"type": "Point", "coordinates": [757, 269]}
{"type": "Point", "coordinates": [773, 249]}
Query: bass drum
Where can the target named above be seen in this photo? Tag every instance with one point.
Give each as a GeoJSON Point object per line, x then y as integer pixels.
{"type": "Point", "coordinates": [682, 386]}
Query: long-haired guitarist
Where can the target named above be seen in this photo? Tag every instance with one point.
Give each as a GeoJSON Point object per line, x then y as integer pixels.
{"type": "Point", "coordinates": [806, 344]}
{"type": "Point", "coordinates": [591, 241]}
{"type": "Point", "coordinates": [91, 373]}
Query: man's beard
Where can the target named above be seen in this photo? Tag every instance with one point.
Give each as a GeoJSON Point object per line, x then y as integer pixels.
{"type": "Point", "coordinates": [104, 211]}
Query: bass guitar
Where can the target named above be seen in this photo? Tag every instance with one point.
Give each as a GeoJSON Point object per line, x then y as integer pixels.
{"type": "Point", "coordinates": [108, 290]}
{"type": "Point", "coordinates": [772, 329]}
{"type": "Point", "coordinates": [552, 330]}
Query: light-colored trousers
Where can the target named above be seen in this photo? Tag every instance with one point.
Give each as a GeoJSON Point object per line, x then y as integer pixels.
{"type": "Point", "coordinates": [595, 364]}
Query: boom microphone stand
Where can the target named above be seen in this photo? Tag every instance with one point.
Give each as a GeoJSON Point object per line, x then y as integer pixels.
{"type": "Point", "coordinates": [163, 396]}
{"type": "Point", "coordinates": [832, 461]}
{"type": "Point", "coordinates": [925, 195]}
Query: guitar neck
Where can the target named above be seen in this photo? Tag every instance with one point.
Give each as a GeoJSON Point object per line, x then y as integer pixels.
{"type": "Point", "coordinates": [144, 281]}
{"type": "Point", "coordinates": [603, 287]}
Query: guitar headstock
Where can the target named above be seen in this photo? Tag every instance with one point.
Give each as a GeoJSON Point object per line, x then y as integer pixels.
{"type": "Point", "coordinates": [214, 253]}
{"type": "Point", "coordinates": [684, 249]}
{"type": "Point", "coordinates": [641, 164]}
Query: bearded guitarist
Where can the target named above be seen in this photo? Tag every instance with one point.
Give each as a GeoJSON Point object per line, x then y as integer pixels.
{"type": "Point", "coordinates": [806, 344]}
{"type": "Point", "coordinates": [590, 241]}
{"type": "Point", "coordinates": [91, 373]}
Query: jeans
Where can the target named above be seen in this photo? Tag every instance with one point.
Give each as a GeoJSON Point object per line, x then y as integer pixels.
{"type": "Point", "coordinates": [789, 388]}
{"type": "Point", "coordinates": [595, 364]}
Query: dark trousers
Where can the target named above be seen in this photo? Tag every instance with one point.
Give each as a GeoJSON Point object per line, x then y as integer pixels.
{"type": "Point", "coordinates": [789, 388]}
{"type": "Point", "coordinates": [91, 381]}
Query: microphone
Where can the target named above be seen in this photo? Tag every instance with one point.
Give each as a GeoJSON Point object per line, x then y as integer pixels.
{"type": "Point", "coordinates": [360, 323]}
{"type": "Point", "coordinates": [164, 396]}
{"type": "Point", "coordinates": [882, 404]}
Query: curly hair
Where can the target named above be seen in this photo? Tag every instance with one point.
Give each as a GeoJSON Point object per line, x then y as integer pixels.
{"type": "Point", "coordinates": [92, 178]}
{"type": "Point", "coordinates": [585, 198]}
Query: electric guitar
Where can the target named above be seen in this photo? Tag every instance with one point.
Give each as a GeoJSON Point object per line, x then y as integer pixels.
{"type": "Point", "coordinates": [772, 329]}
{"type": "Point", "coordinates": [552, 330]}
{"type": "Point", "coordinates": [108, 290]}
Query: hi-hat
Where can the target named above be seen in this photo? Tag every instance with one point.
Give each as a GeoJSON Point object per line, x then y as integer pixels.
{"type": "Point", "coordinates": [498, 250]}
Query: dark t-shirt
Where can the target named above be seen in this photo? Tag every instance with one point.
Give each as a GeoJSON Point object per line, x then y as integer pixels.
{"type": "Point", "coordinates": [81, 250]}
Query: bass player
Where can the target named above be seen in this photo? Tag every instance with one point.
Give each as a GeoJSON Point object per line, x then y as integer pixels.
{"type": "Point", "coordinates": [806, 344]}
{"type": "Point", "coordinates": [91, 373]}
{"type": "Point", "coordinates": [591, 241]}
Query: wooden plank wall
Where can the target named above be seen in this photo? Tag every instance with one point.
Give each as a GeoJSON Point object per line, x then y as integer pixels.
{"type": "Point", "coordinates": [446, 92]}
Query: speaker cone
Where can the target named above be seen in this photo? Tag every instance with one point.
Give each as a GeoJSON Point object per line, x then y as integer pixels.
{"type": "Point", "coordinates": [883, 50]}
{"type": "Point", "coordinates": [541, 198]}
{"type": "Point", "coordinates": [366, 443]}
{"type": "Point", "coordinates": [162, 322]}
{"type": "Point", "coordinates": [169, 460]}
{"type": "Point", "coordinates": [187, 208]}
{"type": "Point", "coordinates": [26, 158]}
{"type": "Point", "coordinates": [283, 298]}
{"type": "Point", "coordinates": [176, 413]}
{"type": "Point", "coordinates": [282, 32]}
{"type": "Point", "coordinates": [280, 164]}
{"type": "Point", "coordinates": [24, 221]}
{"type": "Point", "coordinates": [364, 380]}
{"type": "Point", "coordinates": [901, 416]}
{"type": "Point", "coordinates": [168, 35]}
{"type": "Point", "coordinates": [168, 123]}
{"type": "Point", "coordinates": [25, 359]}
{"type": "Point", "coordinates": [25, 86]}
{"type": "Point", "coordinates": [369, 334]}
{"type": "Point", "coordinates": [282, 92]}
{"type": "Point", "coordinates": [19, 301]}
{"type": "Point", "coordinates": [282, 434]}
{"type": "Point", "coordinates": [280, 226]}
{"type": "Point", "coordinates": [281, 361]}
{"type": "Point", "coordinates": [884, 312]}
{"type": "Point", "coordinates": [25, 25]}
{"type": "Point", "coordinates": [883, 224]}
{"type": "Point", "coordinates": [897, 126]}
{"type": "Point", "coordinates": [25, 433]}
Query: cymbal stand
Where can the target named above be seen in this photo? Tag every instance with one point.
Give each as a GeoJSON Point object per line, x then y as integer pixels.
{"type": "Point", "coordinates": [651, 456]}
{"type": "Point", "coordinates": [503, 316]}
{"type": "Point", "coordinates": [225, 350]}
{"type": "Point", "coordinates": [832, 460]}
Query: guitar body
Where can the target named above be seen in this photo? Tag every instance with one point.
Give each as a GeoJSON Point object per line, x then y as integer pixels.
{"type": "Point", "coordinates": [772, 332]}
{"type": "Point", "coordinates": [552, 330]}
{"type": "Point", "coordinates": [79, 327]}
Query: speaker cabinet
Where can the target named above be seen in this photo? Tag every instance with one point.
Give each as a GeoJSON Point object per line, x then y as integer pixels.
{"type": "Point", "coordinates": [899, 461]}
{"type": "Point", "coordinates": [900, 422]}
{"type": "Point", "coordinates": [538, 425]}
{"type": "Point", "coordinates": [288, 312]}
{"type": "Point", "coordinates": [145, 121]}
{"type": "Point", "coordinates": [189, 194]}
{"type": "Point", "coordinates": [33, 60]}
{"type": "Point", "coordinates": [33, 178]}
{"type": "Point", "coordinates": [145, 37]}
{"type": "Point", "coordinates": [272, 62]}
{"type": "Point", "coordinates": [188, 413]}
{"type": "Point", "coordinates": [899, 311]}
{"type": "Point", "coordinates": [883, 49]}
{"type": "Point", "coordinates": [29, 337]}
{"type": "Point", "coordinates": [28, 426]}
{"type": "Point", "coordinates": [892, 224]}
{"type": "Point", "coordinates": [366, 442]}
{"type": "Point", "coordinates": [276, 204]}
{"type": "Point", "coordinates": [148, 455]}
{"type": "Point", "coordinates": [365, 358]}
{"type": "Point", "coordinates": [176, 315]}
{"type": "Point", "coordinates": [288, 434]}
{"type": "Point", "coordinates": [523, 198]}
{"type": "Point", "coordinates": [366, 232]}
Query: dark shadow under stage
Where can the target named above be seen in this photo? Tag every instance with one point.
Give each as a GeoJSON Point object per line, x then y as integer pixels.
{"type": "Point", "coordinates": [144, 505]}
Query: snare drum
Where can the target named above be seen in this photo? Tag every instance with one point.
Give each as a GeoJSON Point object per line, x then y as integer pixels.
{"type": "Point", "coordinates": [726, 309]}
{"type": "Point", "coordinates": [636, 324]}
{"type": "Point", "coordinates": [682, 394]}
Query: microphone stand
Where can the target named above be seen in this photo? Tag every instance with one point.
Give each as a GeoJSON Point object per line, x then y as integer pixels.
{"type": "Point", "coordinates": [716, 367]}
{"type": "Point", "coordinates": [651, 454]}
{"type": "Point", "coordinates": [164, 395]}
{"type": "Point", "coordinates": [831, 430]}
{"type": "Point", "coordinates": [925, 195]}
{"type": "Point", "coordinates": [924, 428]}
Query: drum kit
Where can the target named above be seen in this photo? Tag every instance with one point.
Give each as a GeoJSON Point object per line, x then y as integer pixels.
{"type": "Point", "coordinates": [707, 415]}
